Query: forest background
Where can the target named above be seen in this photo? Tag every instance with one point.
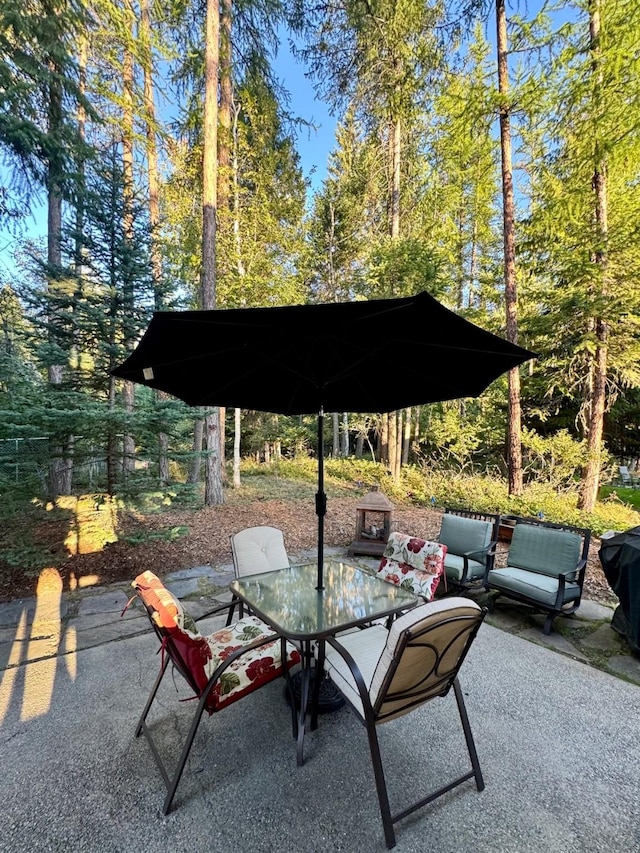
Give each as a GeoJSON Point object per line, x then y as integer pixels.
{"type": "Point", "coordinates": [485, 153]}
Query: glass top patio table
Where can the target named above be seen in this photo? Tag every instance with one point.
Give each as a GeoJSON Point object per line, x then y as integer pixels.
{"type": "Point", "coordinates": [289, 601]}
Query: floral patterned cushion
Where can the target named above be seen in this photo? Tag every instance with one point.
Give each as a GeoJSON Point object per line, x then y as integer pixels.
{"type": "Point", "coordinates": [169, 610]}
{"type": "Point", "coordinates": [250, 670]}
{"type": "Point", "coordinates": [413, 563]}
{"type": "Point", "coordinates": [198, 657]}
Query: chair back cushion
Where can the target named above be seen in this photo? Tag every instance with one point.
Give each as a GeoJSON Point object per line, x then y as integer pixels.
{"type": "Point", "coordinates": [423, 653]}
{"type": "Point", "coordinates": [258, 549]}
{"type": "Point", "coordinates": [413, 563]}
{"type": "Point", "coordinates": [188, 649]}
{"type": "Point", "coordinates": [544, 549]}
{"type": "Point", "coordinates": [462, 535]}
{"type": "Point", "coordinates": [168, 611]}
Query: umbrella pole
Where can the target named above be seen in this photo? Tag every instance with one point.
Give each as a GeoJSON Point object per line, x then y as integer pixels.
{"type": "Point", "coordinates": [321, 499]}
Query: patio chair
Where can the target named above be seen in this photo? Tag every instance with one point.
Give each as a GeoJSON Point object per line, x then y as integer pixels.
{"type": "Point", "coordinates": [220, 668]}
{"type": "Point", "coordinates": [255, 550]}
{"type": "Point", "coordinates": [545, 568]}
{"type": "Point", "coordinates": [413, 563]}
{"type": "Point", "coordinates": [386, 673]}
{"type": "Point", "coordinates": [471, 539]}
{"type": "Point", "coordinates": [626, 479]}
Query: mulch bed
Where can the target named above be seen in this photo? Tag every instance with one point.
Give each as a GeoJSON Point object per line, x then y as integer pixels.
{"type": "Point", "coordinates": [207, 542]}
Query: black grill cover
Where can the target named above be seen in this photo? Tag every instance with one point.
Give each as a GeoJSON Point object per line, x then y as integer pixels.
{"type": "Point", "coordinates": [620, 558]}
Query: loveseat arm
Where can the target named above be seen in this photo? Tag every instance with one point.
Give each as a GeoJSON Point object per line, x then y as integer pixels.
{"type": "Point", "coordinates": [574, 575]}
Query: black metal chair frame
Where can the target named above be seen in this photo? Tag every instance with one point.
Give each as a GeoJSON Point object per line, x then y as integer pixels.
{"type": "Point", "coordinates": [171, 654]}
{"type": "Point", "coordinates": [558, 608]}
{"type": "Point", "coordinates": [489, 551]}
{"type": "Point", "coordinates": [372, 718]}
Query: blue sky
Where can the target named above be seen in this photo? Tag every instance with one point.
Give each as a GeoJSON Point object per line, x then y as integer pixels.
{"type": "Point", "coordinates": [314, 146]}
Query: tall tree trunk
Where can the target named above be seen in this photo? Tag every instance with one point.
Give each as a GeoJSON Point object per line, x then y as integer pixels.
{"type": "Point", "coordinates": [344, 443]}
{"type": "Point", "coordinates": [60, 447]}
{"type": "Point", "coordinates": [383, 439]}
{"type": "Point", "coordinates": [236, 449]}
{"type": "Point", "coordinates": [398, 452]}
{"type": "Point", "coordinates": [196, 461]}
{"type": "Point", "coordinates": [237, 242]}
{"type": "Point", "coordinates": [80, 248]}
{"type": "Point", "coordinates": [213, 489]}
{"type": "Point", "coordinates": [113, 453]}
{"type": "Point", "coordinates": [224, 203]}
{"type": "Point", "coordinates": [473, 265]}
{"type": "Point", "coordinates": [359, 445]}
{"type": "Point", "coordinates": [406, 440]}
{"type": "Point", "coordinates": [597, 399]}
{"type": "Point", "coordinates": [392, 443]}
{"type": "Point", "coordinates": [128, 391]}
{"type": "Point", "coordinates": [335, 422]}
{"type": "Point", "coordinates": [394, 154]}
{"type": "Point", "coordinates": [514, 445]}
{"type": "Point", "coordinates": [237, 238]}
{"type": "Point", "coordinates": [225, 113]}
{"type": "Point", "coordinates": [154, 207]}
{"type": "Point", "coordinates": [112, 443]}
{"type": "Point", "coordinates": [460, 251]}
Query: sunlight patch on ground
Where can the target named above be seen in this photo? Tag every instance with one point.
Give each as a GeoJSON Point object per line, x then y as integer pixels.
{"type": "Point", "coordinates": [70, 656]}
{"type": "Point", "coordinates": [44, 643]}
{"type": "Point", "coordinates": [10, 674]}
{"type": "Point", "coordinates": [38, 643]}
{"type": "Point", "coordinates": [93, 522]}
{"type": "Point", "coordinates": [79, 583]}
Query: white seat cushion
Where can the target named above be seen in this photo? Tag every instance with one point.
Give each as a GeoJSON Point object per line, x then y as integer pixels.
{"type": "Point", "coordinates": [366, 647]}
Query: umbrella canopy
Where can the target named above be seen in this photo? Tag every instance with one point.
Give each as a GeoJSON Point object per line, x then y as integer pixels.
{"type": "Point", "coordinates": [369, 356]}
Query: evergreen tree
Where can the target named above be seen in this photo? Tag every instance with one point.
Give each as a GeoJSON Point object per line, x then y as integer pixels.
{"type": "Point", "coordinates": [582, 232]}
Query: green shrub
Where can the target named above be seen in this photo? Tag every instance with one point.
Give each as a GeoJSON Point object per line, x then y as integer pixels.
{"type": "Point", "coordinates": [430, 486]}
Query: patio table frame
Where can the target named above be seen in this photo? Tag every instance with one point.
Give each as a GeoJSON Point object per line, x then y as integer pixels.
{"type": "Point", "coordinates": [289, 601]}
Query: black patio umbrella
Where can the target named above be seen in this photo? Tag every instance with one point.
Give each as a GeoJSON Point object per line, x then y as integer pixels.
{"type": "Point", "coordinates": [367, 356]}
{"type": "Point", "coordinates": [620, 559]}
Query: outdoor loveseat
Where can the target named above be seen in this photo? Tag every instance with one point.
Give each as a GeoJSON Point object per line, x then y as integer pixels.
{"type": "Point", "coordinates": [545, 568]}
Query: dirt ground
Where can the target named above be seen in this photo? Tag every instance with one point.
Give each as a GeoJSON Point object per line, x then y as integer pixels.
{"type": "Point", "coordinates": [206, 541]}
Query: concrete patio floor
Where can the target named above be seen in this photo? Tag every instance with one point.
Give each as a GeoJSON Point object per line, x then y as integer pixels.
{"type": "Point", "coordinates": [558, 740]}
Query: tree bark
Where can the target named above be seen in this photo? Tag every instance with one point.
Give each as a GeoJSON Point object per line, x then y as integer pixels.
{"type": "Point", "coordinates": [226, 109]}
{"type": "Point", "coordinates": [406, 441]}
{"type": "Point", "coordinates": [344, 443]}
{"type": "Point", "coordinates": [236, 449]}
{"type": "Point", "coordinates": [196, 462]}
{"type": "Point", "coordinates": [394, 227]}
{"type": "Point", "coordinates": [383, 439]}
{"type": "Point", "coordinates": [335, 421]}
{"type": "Point", "coordinates": [154, 205]}
{"type": "Point", "coordinates": [514, 444]}
{"type": "Point", "coordinates": [60, 464]}
{"type": "Point", "coordinates": [598, 386]}
{"type": "Point", "coordinates": [399, 436]}
{"type": "Point", "coordinates": [393, 443]}
{"type": "Point", "coordinates": [213, 489]}
{"type": "Point", "coordinates": [128, 388]}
